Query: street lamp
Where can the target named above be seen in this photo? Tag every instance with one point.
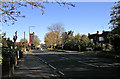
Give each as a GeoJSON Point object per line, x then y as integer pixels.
{"type": "Point", "coordinates": [29, 32]}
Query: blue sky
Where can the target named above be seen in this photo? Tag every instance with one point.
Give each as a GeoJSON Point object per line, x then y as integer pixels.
{"type": "Point", "coordinates": [86, 17]}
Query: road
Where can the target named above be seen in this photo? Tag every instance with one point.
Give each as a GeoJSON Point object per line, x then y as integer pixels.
{"type": "Point", "coordinates": [80, 65]}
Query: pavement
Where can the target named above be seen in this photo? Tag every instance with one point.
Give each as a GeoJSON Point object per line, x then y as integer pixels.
{"type": "Point", "coordinates": [30, 67]}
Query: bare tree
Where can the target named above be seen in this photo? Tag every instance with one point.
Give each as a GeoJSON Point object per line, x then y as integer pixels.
{"type": "Point", "coordinates": [58, 29]}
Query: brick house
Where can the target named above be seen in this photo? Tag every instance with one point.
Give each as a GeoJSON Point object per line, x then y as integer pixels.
{"type": "Point", "coordinates": [32, 36]}
{"type": "Point", "coordinates": [100, 39]}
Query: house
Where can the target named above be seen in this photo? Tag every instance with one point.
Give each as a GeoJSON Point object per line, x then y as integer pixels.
{"type": "Point", "coordinates": [32, 36]}
{"type": "Point", "coordinates": [100, 39]}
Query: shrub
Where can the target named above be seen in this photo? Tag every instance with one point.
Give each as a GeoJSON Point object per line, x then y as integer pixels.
{"type": "Point", "coordinates": [98, 47]}
{"type": "Point", "coordinates": [115, 41]}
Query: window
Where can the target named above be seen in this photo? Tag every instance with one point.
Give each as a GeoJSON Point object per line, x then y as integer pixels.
{"type": "Point", "coordinates": [101, 39]}
{"type": "Point", "coordinates": [91, 40]}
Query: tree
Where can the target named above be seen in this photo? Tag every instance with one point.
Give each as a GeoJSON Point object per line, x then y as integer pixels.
{"type": "Point", "coordinates": [50, 39]}
{"type": "Point", "coordinates": [36, 41]}
{"type": "Point", "coordinates": [67, 35]}
{"type": "Point", "coordinates": [22, 42]}
{"type": "Point", "coordinates": [68, 39]}
{"type": "Point", "coordinates": [64, 37]}
{"type": "Point", "coordinates": [115, 21]}
{"type": "Point", "coordinates": [84, 42]}
{"type": "Point", "coordinates": [115, 18]}
{"type": "Point", "coordinates": [77, 41]}
{"type": "Point", "coordinates": [10, 10]}
{"type": "Point", "coordinates": [81, 42]}
{"type": "Point", "coordinates": [115, 41]}
{"type": "Point", "coordinates": [70, 33]}
{"type": "Point", "coordinates": [57, 29]}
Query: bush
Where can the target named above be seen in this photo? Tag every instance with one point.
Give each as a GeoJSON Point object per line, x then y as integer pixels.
{"type": "Point", "coordinates": [98, 48]}
{"type": "Point", "coordinates": [108, 46]}
{"type": "Point", "coordinates": [8, 62]}
{"type": "Point", "coordinates": [115, 41]}
{"type": "Point", "coordinates": [8, 53]}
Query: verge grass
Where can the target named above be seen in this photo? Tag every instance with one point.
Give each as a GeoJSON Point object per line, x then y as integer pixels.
{"type": "Point", "coordinates": [104, 54]}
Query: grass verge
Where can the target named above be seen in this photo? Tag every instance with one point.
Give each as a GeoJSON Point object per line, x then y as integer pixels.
{"type": "Point", "coordinates": [104, 54]}
{"type": "Point", "coordinates": [108, 55]}
{"type": "Point", "coordinates": [60, 50]}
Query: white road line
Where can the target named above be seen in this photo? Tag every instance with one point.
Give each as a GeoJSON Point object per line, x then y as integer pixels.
{"type": "Point", "coordinates": [61, 73]}
{"type": "Point", "coordinates": [46, 63]}
{"type": "Point", "coordinates": [52, 67]}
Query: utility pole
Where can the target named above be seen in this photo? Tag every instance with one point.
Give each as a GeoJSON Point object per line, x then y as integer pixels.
{"type": "Point", "coordinates": [24, 41]}
{"type": "Point", "coordinates": [29, 34]}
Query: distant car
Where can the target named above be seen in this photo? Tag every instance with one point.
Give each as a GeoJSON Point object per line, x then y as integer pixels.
{"type": "Point", "coordinates": [37, 48]}
{"type": "Point", "coordinates": [89, 49]}
{"type": "Point", "coordinates": [27, 49]}
{"type": "Point", "coordinates": [41, 48]}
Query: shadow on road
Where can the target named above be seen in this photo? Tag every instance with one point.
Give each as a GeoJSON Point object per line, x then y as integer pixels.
{"type": "Point", "coordinates": [82, 65]}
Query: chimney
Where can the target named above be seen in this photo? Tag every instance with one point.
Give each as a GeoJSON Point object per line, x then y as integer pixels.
{"type": "Point", "coordinates": [103, 31]}
{"type": "Point", "coordinates": [97, 32]}
{"type": "Point", "coordinates": [88, 34]}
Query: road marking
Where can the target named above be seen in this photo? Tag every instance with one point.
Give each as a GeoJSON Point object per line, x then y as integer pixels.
{"type": "Point", "coordinates": [109, 65]}
{"type": "Point", "coordinates": [61, 73]}
{"type": "Point", "coordinates": [46, 63]}
{"type": "Point", "coordinates": [52, 66]}
{"type": "Point", "coordinates": [88, 64]}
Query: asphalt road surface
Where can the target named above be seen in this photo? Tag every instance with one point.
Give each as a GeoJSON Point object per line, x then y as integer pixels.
{"type": "Point", "coordinates": [80, 65]}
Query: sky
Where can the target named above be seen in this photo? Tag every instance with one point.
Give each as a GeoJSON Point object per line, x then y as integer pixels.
{"type": "Point", "coordinates": [86, 17]}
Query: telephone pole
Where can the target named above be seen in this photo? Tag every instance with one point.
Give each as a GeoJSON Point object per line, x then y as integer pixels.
{"type": "Point", "coordinates": [24, 41]}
